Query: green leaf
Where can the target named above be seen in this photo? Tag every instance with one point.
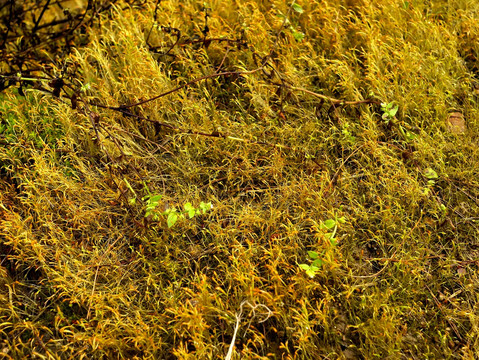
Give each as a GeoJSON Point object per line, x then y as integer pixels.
{"type": "Point", "coordinates": [410, 136]}
{"type": "Point", "coordinates": [298, 35]}
{"type": "Point", "coordinates": [172, 218]}
{"type": "Point", "coordinates": [407, 134]}
{"type": "Point", "coordinates": [311, 273]}
{"type": "Point", "coordinates": [298, 8]}
{"type": "Point", "coordinates": [155, 199]}
{"type": "Point", "coordinates": [431, 174]}
{"type": "Point", "coordinates": [205, 206]}
{"type": "Point", "coordinates": [330, 223]}
{"type": "Point", "coordinates": [304, 266]}
{"type": "Point", "coordinates": [317, 263]}
{"type": "Point", "coordinates": [150, 208]}
{"type": "Point", "coordinates": [190, 209]}
{"type": "Point", "coordinates": [393, 111]}
{"type": "Point", "coordinates": [313, 254]}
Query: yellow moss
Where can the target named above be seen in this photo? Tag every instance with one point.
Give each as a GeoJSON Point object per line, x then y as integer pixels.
{"type": "Point", "coordinates": [277, 149]}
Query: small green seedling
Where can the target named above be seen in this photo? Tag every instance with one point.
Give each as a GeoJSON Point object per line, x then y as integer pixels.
{"type": "Point", "coordinates": [408, 136]}
{"type": "Point", "coordinates": [331, 226]}
{"type": "Point", "coordinates": [443, 210]}
{"type": "Point", "coordinates": [389, 111]}
{"type": "Point", "coordinates": [347, 133]}
{"type": "Point", "coordinates": [432, 176]}
{"type": "Point", "coordinates": [189, 210]}
{"type": "Point", "coordinates": [315, 266]}
{"type": "Point", "coordinates": [298, 35]}
{"type": "Point", "coordinates": [152, 204]}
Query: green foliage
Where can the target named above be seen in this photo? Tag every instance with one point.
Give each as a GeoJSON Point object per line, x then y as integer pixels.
{"type": "Point", "coordinates": [389, 111]}
{"type": "Point", "coordinates": [432, 176]}
{"type": "Point", "coordinates": [189, 211]}
{"type": "Point", "coordinates": [407, 135]}
{"type": "Point", "coordinates": [330, 227]}
{"type": "Point", "coordinates": [297, 34]}
{"type": "Point", "coordinates": [296, 7]}
{"type": "Point", "coordinates": [315, 266]}
{"type": "Point", "coordinates": [152, 205]}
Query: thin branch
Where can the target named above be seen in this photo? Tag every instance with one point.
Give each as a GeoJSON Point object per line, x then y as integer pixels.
{"type": "Point", "coordinates": [194, 81]}
{"type": "Point", "coordinates": [331, 99]}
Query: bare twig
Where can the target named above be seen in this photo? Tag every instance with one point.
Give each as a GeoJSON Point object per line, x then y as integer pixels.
{"type": "Point", "coordinates": [333, 100]}
{"type": "Point", "coordinates": [214, 75]}
{"type": "Point", "coordinates": [239, 317]}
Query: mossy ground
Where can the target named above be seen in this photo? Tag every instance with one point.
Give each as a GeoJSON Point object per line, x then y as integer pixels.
{"type": "Point", "coordinates": [85, 275]}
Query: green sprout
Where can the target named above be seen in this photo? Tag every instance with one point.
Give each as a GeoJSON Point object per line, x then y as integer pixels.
{"type": "Point", "coordinates": [189, 210]}
{"type": "Point", "coordinates": [432, 176]}
{"type": "Point", "coordinates": [389, 111]}
{"type": "Point", "coordinates": [152, 204]}
{"type": "Point", "coordinates": [317, 261]}
{"type": "Point", "coordinates": [298, 35]}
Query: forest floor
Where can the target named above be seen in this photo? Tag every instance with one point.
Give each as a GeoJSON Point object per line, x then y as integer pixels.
{"type": "Point", "coordinates": [239, 180]}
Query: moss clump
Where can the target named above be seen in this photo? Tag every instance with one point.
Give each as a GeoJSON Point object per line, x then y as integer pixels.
{"type": "Point", "coordinates": [274, 113]}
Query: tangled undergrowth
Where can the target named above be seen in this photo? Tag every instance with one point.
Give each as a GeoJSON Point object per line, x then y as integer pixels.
{"type": "Point", "coordinates": [239, 180]}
